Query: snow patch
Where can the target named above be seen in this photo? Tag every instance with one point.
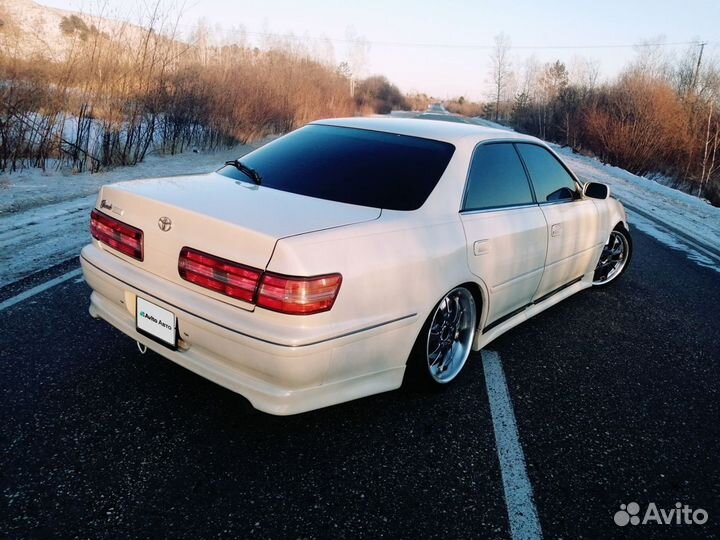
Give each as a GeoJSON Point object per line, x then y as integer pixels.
{"type": "Point", "coordinates": [695, 217]}
{"type": "Point", "coordinates": [651, 229]}
{"type": "Point", "coordinates": [44, 216]}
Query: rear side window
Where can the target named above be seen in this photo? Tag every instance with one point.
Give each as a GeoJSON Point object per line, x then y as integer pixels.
{"type": "Point", "coordinates": [355, 166]}
{"type": "Point", "coordinates": [497, 179]}
{"type": "Point", "coordinates": [550, 179]}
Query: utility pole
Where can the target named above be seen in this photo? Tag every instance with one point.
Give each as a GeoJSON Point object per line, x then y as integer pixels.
{"type": "Point", "coordinates": [697, 67]}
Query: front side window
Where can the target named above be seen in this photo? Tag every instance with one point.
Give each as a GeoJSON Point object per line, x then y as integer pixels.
{"type": "Point", "coordinates": [497, 179]}
{"type": "Point", "coordinates": [550, 179]}
{"type": "Point", "coordinates": [355, 166]}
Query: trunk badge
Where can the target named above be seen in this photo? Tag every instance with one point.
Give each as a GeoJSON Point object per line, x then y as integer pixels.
{"type": "Point", "coordinates": [105, 204]}
{"type": "Point", "coordinates": [165, 224]}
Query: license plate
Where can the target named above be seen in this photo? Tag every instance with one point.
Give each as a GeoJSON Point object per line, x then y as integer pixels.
{"type": "Point", "coordinates": [155, 322]}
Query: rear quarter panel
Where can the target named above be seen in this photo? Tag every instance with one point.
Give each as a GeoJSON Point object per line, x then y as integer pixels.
{"type": "Point", "coordinates": [396, 267]}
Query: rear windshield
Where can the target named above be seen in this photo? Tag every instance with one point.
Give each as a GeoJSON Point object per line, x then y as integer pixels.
{"type": "Point", "coordinates": [356, 166]}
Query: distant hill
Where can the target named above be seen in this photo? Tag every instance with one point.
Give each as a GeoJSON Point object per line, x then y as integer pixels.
{"type": "Point", "coordinates": [29, 29]}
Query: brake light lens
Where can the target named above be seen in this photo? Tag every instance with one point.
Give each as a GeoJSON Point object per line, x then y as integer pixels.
{"type": "Point", "coordinates": [285, 294]}
{"type": "Point", "coordinates": [298, 296]}
{"type": "Point", "coordinates": [219, 275]}
{"type": "Point", "coordinates": [117, 235]}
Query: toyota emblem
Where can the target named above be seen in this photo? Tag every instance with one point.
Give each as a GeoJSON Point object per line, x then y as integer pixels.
{"type": "Point", "coordinates": [165, 223]}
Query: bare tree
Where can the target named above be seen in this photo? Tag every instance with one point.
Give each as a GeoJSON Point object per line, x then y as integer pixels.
{"type": "Point", "coordinates": [116, 90]}
{"type": "Point", "coordinates": [651, 59]}
{"type": "Point", "coordinates": [584, 73]}
{"type": "Point", "coordinates": [709, 153]}
{"type": "Point", "coordinates": [357, 52]}
{"type": "Point", "coordinates": [501, 69]}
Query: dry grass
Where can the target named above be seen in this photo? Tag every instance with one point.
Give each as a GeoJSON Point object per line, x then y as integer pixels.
{"type": "Point", "coordinates": [111, 98]}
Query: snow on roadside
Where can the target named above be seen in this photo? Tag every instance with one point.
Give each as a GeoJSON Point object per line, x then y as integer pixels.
{"type": "Point", "coordinates": [665, 237]}
{"type": "Point", "coordinates": [687, 213]}
{"type": "Point", "coordinates": [44, 217]}
{"type": "Point", "coordinates": [29, 188]}
{"type": "Point", "coordinates": [43, 236]}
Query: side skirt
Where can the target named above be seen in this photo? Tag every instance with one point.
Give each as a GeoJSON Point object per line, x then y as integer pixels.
{"type": "Point", "coordinates": [502, 325]}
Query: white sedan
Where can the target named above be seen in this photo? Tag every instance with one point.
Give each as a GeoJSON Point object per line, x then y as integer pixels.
{"type": "Point", "coordinates": [349, 256]}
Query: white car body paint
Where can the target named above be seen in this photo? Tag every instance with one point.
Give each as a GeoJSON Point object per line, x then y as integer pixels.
{"type": "Point", "coordinates": [395, 266]}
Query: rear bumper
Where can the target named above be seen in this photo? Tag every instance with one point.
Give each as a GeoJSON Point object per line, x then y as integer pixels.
{"type": "Point", "coordinates": [276, 377]}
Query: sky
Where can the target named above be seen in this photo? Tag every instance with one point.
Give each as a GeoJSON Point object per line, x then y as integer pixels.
{"type": "Point", "coordinates": [443, 48]}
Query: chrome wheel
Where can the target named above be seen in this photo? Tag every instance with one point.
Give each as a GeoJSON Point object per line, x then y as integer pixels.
{"type": "Point", "coordinates": [450, 336]}
{"type": "Point", "coordinates": [613, 259]}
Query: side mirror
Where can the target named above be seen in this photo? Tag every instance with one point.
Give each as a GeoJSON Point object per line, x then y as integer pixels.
{"type": "Point", "coordinates": [596, 190]}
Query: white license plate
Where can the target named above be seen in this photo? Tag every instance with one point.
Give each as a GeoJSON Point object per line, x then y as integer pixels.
{"type": "Point", "coordinates": [155, 322]}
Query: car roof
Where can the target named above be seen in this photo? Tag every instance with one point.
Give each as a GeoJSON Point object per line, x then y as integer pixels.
{"type": "Point", "coordinates": [452, 132]}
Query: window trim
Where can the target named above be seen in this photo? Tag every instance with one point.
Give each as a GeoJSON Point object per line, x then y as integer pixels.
{"type": "Point", "coordinates": [463, 199]}
{"type": "Point", "coordinates": [497, 208]}
{"type": "Point", "coordinates": [578, 185]}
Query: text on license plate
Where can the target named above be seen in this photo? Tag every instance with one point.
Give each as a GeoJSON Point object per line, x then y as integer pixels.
{"type": "Point", "coordinates": [155, 321]}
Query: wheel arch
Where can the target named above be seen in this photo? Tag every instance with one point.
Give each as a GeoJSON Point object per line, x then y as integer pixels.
{"type": "Point", "coordinates": [623, 225]}
{"type": "Point", "coordinates": [411, 375]}
{"type": "Point", "coordinates": [617, 216]}
{"type": "Point", "coordinates": [478, 297]}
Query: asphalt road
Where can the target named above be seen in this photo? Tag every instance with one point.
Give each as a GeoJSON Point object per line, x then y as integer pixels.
{"type": "Point", "coordinates": [615, 395]}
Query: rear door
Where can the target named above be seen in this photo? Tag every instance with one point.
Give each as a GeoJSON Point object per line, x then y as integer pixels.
{"type": "Point", "coordinates": [572, 222]}
{"type": "Point", "coordinates": [505, 230]}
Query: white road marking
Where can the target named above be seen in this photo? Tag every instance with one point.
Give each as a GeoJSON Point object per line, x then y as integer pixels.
{"type": "Point", "coordinates": [38, 289]}
{"type": "Point", "coordinates": [522, 514]}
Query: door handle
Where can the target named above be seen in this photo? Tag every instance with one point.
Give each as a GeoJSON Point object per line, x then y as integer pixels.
{"type": "Point", "coordinates": [556, 229]}
{"type": "Point", "coordinates": [481, 247]}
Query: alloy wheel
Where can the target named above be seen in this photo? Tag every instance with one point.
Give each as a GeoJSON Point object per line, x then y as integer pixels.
{"type": "Point", "coordinates": [613, 259]}
{"type": "Point", "coordinates": [450, 335]}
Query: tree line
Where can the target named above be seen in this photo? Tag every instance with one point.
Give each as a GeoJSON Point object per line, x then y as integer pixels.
{"type": "Point", "coordinates": [117, 91]}
{"type": "Point", "coordinates": [112, 96]}
{"type": "Point", "coordinates": [659, 116]}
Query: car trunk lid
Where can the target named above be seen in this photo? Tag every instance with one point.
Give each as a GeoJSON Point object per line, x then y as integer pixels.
{"type": "Point", "coordinates": [235, 220]}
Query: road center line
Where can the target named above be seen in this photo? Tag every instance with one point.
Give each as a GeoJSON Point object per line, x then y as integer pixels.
{"type": "Point", "coordinates": [522, 514]}
{"type": "Point", "coordinates": [38, 289]}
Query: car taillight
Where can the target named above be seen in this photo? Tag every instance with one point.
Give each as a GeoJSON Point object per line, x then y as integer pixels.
{"type": "Point", "coordinates": [296, 295]}
{"type": "Point", "coordinates": [117, 235]}
{"type": "Point", "coordinates": [220, 275]}
{"type": "Point", "coordinates": [286, 294]}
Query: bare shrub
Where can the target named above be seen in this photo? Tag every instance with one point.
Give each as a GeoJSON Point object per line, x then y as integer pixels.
{"type": "Point", "coordinates": [418, 102]}
{"type": "Point", "coordinates": [639, 123]}
{"type": "Point", "coordinates": [379, 95]}
{"type": "Point", "coordinates": [465, 107]}
{"type": "Point", "coordinates": [118, 92]}
{"type": "Point", "coordinates": [657, 117]}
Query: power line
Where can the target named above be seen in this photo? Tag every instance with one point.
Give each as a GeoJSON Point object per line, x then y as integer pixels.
{"type": "Point", "coordinates": [473, 45]}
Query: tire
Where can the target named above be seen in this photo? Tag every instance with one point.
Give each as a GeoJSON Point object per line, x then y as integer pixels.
{"type": "Point", "coordinates": [615, 257]}
{"type": "Point", "coordinates": [444, 342]}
